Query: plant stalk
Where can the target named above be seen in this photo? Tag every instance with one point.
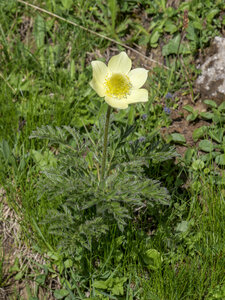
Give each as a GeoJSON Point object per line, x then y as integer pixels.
{"type": "Point", "coordinates": [105, 142]}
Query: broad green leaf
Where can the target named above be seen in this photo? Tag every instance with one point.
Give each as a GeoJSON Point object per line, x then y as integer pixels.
{"type": "Point", "coordinates": [192, 116]}
{"type": "Point", "coordinates": [67, 4]}
{"type": "Point", "coordinates": [68, 263]}
{"type": "Point", "coordinates": [163, 4]}
{"type": "Point", "coordinates": [220, 159]}
{"type": "Point", "coordinates": [199, 132]}
{"type": "Point", "coordinates": [131, 115]}
{"type": "Point", "coordinates": [218, 119]}
{"type": "Point", "coordinates": [49, 23]}
{"type": "Point", "coordinates": [153, 24]}
{"type": "Point", "coordinates": [184, 6]}
{"type": "Point", "coordinates": [5, 150]}
{"type": "Point", "coordinates": [120, 240]}
{"type": "Point", "coordinates": [170, 27]}
{"type": "Point", "coordinates": [210, 103]}
{"type": "Point", "coordinates": [45, 159]}
{"type": "Point", "coordinates": [118, 256]}
{"type": "Point", "coordinates": [209, 156]}
{"type": "Point", "coordinates": [72, 69]}
{"type": "Point", "coordinates": [18, 276]}
{"type": "Point", "coordinates": [154, 45]}
{"type": "Point", "coordinates": [15, 267]}
{"type": "Point", "coordinates": [197, 165]}
{"type": "Point", "coordinates": [143, 40]}
{"type": "Point", "coordinates": [152, 259]}
{"type": "Point", "coordinates": [206, 171]}
{"type": "Point", "coordinates": [39, 31]}
{"type": "Point", "coordinates": [222, 107]}
{"type": "Point", "coordinates": [161, 25]}
{"type": "Point", "coordinates": [113, 7]}
{"type": "Point", "coordinates": [25, 86]}
{"type": "Point", "coordinates": [154, 37]}
{"type": "Point", "coordinates": [189, 108]}
{"type": "Point", "coordinates": [217, 134]}
{"type": "Point", "coordinates": [170, 12]}
{"type": "Point", "coordinates": [207, 115]}
{"type": "Point", "coordinates": [54, 255]}
{"type": "Point", "coordinates": [178, 138]}
{"type": "Point", "coordinates": [197, 25]}
{"type": "Point", "coordinates": [211, 14]}
{"type": "Point", "coordinates": [60, 294]}
{"type": "Point", "coordinates": [40, 279]}
{"type": "Point", "coordinates": [182, 226]}
{"type": "Point", "coordinates": [118, 289]}
{"type": "Point", "coordinates": [66, 283]}
{"type": "Point", "coordinates": [100, 284]}
{"type": "Point", "coordinates": [188, 155]}
{"type": "Point", "coordinates": [173, 45]}
{"type": "Point", "coordinates": [191, 34]}
{"type": "Point", "coordinates": [206, 146]}
{"type": "Point", "coordinates": [192, 15]}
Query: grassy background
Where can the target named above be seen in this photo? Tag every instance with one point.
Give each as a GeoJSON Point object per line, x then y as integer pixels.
{"type": "Point", "coordinates": [45, 70]}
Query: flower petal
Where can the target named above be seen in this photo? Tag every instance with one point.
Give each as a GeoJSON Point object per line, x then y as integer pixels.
{"type": "Point", "coordinates": [100, 71]}
{"type": "Point", "coordinates": [140, 95]}
{"type": "Point", "coordinates": [116, 103]}
{"type": "Point", "coordinates": [99, 88]}
{"type": "Point", "coordinates": [138, 77]}
{"type": "Point", "coordinates": [120, 63]}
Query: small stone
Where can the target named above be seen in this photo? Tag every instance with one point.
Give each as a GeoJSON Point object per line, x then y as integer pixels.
{"type": "Point", "coordinates": [211, 83]}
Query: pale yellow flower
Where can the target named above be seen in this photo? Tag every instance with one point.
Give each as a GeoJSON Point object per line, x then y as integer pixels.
{"type": "Point", "coordinates": [117, 83]}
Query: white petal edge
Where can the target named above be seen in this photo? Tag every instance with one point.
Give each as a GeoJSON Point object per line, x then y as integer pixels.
{"type": "Point", "coordinates": [99, 89]}
{"type": "Point", "coordinates": [139, 95]}
{"type": "Point", "coordinates": [100, 71]}
{"type": "Point", "coordinates": [120, 63]}
{"type": "Point", "coordinates": [120, 103]}
{"type": "Point", "coordinates": [138, 77]}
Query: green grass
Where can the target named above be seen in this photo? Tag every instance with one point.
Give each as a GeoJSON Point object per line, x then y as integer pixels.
{"type": "Point", "coordinates": [171, 253]}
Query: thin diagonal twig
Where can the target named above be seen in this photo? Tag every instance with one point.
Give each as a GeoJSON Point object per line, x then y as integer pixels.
{"type": "Point", "coordinates": [91, 31]}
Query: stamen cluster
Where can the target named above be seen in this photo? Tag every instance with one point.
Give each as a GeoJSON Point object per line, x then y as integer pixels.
{"type": "Point", "coordinates": [118, 86]}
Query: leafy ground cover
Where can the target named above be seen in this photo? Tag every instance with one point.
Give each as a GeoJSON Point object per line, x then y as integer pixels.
{"type": "Point", "coordinates": [175, 250]}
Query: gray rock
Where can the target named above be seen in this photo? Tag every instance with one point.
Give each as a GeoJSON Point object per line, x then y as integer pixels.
{"type": "Point", "coordinates": [211, 83]}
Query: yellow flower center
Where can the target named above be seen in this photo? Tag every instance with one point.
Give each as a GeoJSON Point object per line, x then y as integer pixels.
{"type": "Point", "coordinates": [117, 85]}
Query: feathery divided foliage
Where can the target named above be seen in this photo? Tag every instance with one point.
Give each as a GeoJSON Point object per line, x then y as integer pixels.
{"type": "Point", "coordinates": [85, 206]}
{"type": "Point", "coordinates": [165, 252]}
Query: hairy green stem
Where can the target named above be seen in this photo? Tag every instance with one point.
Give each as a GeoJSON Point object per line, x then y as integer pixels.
{"type": "Point", "coordinates": [105, 142]}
